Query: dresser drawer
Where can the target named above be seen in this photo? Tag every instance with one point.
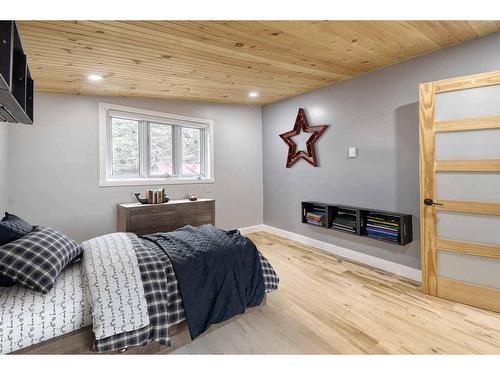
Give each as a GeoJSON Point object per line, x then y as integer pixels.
{"type": "Point", "coordinates": [156, 209]}
{"type": "Point", "coordinates": [185, 210]}
{"type": "Point", "coordinates": [165, 215]}
{"type": "Point", "coordinates": [206, 218]}
{"type": "Point", "coordinates": [146, 221]}
{"type": "Point", "coordinates": [180, 221]}
{"type": "Point", "coordinates": [154, 229]}
{"type": "Point", "coordinates": [202, 207]}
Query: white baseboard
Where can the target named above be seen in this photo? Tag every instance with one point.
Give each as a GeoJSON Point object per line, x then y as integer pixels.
{"type": "Point", "coordinates": [253, 228]}
{"type": "Point", "coordinates": [385, 265]}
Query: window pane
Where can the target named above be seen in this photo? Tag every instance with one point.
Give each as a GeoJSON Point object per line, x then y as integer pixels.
{"type": "Point", "coordinates": [125, 147]}
{"type": "Point", "coordinates": [160, 141]}
{"type": "Point", "coordinates": [191, 163]}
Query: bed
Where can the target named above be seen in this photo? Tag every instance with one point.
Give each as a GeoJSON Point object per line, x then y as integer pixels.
{"type": "Point", "coordinates": [89, 310]}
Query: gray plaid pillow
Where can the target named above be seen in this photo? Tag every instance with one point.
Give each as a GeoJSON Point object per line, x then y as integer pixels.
{"type": "Point", "coordinates": [36, 259]}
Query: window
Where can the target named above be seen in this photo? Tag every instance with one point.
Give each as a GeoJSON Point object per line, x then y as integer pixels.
{"type": "Point", "coordinates": [191, 143]}
{"type": "Point", "coordinates": [160, 150]}
{"type": "Point", "coordinates": [125, 147]}
{"type": "Point", "coordinates": [139, 147]}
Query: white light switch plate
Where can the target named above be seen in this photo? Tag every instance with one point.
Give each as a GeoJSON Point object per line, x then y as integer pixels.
{"type": "Point", "coordinates": [352, 152]}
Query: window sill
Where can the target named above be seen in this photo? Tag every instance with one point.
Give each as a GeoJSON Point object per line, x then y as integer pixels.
{"type": "Point", "coordinates": [154, 181]}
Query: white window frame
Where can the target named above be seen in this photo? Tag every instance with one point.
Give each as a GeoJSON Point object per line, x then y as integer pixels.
{"type": "Point", "coordinates": [106, 111]}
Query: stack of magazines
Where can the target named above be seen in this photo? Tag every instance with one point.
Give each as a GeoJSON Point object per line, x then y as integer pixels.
{"type": "Point", "coordinates": [316, 217]}
{"type": "Point", "coordinates": [383, 227]}
{"type": "Point", "coordinates": [345, 220]}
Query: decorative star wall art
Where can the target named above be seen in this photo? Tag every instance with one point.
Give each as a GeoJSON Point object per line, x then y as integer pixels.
{"type": "Point", "coordinates": [316, 132]}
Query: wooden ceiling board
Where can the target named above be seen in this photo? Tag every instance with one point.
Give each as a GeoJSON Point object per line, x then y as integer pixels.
{"type": "Point", "coordinates": [222, 61]}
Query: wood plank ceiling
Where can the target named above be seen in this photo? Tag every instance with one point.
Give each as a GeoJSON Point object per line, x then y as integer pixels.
{"type": "Point", "coordinates": [222, 61]}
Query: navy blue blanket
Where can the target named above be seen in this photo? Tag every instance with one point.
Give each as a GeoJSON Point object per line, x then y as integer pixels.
{"type": "Point", "coordinates": [219, 273]}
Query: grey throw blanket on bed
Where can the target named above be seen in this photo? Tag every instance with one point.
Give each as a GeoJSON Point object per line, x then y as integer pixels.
{"type": "Point", "coordinates": [219, 273]}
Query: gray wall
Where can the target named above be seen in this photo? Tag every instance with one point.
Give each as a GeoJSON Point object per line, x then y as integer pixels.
{"type": "Point", "coordinates": [378, 113]}
{"type": "Point", "coordinates": [54, 166]}
{"type": "Point", "coordinates": [4, 165]}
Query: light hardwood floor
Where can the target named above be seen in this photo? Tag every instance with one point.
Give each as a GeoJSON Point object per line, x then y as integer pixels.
{"type": "Point", "coordinates": [327, 305]}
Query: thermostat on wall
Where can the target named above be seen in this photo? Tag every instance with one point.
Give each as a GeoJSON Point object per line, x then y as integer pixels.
{"type": "Point", "coordinates": [352, 152]}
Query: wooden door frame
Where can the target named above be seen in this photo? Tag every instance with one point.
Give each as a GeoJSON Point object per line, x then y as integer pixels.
{"type": "Point", "coordinates": [428, 126]}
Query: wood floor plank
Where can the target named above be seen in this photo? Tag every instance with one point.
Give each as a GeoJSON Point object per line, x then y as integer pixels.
{"type": "Point", "coordinates": [328, 305]}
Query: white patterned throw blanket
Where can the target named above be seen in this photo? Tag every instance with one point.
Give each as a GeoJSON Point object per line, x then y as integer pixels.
{"type": "Point", "coordinates": [113, 285]}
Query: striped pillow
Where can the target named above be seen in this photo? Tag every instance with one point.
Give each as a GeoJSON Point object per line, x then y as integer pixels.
{"type": "Point", "coordinates": [37, 259]}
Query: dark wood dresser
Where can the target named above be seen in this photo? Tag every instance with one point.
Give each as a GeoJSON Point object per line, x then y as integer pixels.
{"type": "Point", "coordinates": [165, 217]}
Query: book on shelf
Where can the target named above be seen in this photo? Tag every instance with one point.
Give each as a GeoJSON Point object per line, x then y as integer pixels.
{"type": "Point", "coordinates": [155, 196]}
{"type": "Point", "coordinates": [316, 213]}
{"type": "Point", "coordinates": [344, 229]}
{"type": "Point", "coordinates": [395, 240]}
{"type": "Point", "coordinates": [382, 227]}
{"type": "Point", "coordinates": [345, 226]}
{"type": "Point", "coordinates": [381, 233]}
{"type": "Point", "coordinates": [388, 220]}
{"type": "Point", "coordinates": [312, 222]}
{"type": "Point", "coordinates": [315, 217]}
{"type": "Point", "coordinates": [345, 221]}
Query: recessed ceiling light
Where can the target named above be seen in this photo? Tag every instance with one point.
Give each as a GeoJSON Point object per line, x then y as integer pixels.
{"type": "Point", "coordinates": [253, 94]}
{"type": "Point", "coordinates": [94, 77]}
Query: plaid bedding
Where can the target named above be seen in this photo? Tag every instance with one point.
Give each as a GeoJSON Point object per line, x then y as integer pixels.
{"type": "Point", "coordinates": [163, 298]}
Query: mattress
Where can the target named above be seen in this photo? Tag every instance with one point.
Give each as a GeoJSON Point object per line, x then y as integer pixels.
{"type": "Point", "coordinates": [28, 317]}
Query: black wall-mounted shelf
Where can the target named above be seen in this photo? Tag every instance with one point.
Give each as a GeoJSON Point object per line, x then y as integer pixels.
{"type": "Point", "coordinates": [16, 84]}
{"type": "Point", "coordinates": [386, 226]}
